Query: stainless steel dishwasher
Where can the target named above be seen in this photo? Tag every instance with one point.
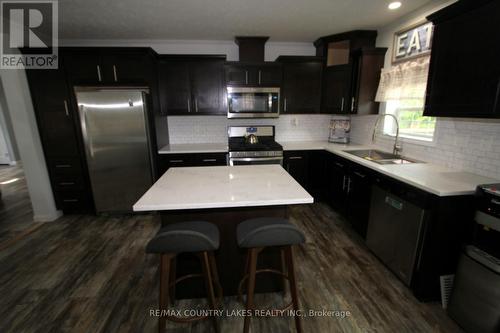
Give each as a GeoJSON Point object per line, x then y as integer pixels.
{"type": "Point", "coordinates": [395, 231]}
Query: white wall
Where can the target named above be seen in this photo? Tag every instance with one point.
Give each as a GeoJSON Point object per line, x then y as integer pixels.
{"type": "Point", "coordinates": [20, 108]}
{"type": "Point", "coordinates": [7, 129]}
{"type": "Point", "coordinates": [471, 145]}
{"type": "Point", "coordinates": [4, 151]}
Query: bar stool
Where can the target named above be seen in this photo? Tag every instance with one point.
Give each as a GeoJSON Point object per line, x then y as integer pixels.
{"type": "Point", "coordinates": [257, 234]}
{"type": "Point", "coordinates": [197, 237]}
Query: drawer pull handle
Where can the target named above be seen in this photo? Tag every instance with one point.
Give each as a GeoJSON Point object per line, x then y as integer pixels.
{"type": "Point", "coordinates": [295, 157]}
{"type": "Point", "coordinates": [70, 200]}
{"type": "Point", "coordinates": [176, 161]}
{"type": "Point", "coordinates": [99, 77]}
{"type": "Point", "coordinates": [66, 110]}
{"type": "Point", "coordinates": [63, 165]}
{"type": "Point", "coordinates": [66, 183]}
{"type": "Point", "coordinates": [359, 174]}
{"type": "Point", "coordinates": [210, 160]}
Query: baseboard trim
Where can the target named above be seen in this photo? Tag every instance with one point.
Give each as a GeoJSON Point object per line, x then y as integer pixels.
{"type": "Point", "coordinates": [47, 217]}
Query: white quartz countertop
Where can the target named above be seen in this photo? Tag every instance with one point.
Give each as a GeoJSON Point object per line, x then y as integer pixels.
{"type": "Point", "coordinates": [429, 177]}
{"type": "Point", "coordinates": [187, 148]}
{"type": "Point", "coordinates": [223, 187]}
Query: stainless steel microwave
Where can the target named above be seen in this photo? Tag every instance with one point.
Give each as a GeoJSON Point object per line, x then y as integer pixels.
{"type": "Point", "coordinates": [253, 102]}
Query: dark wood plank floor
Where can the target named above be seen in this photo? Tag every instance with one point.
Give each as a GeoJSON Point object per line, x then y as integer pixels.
{"type": "Point", "coordinates": [90, 274]}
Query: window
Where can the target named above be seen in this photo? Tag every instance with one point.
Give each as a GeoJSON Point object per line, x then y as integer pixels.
{"type": "Point", "coordinates": [402, 88]}
{"type": "Point", "coordinates": [412, 123]}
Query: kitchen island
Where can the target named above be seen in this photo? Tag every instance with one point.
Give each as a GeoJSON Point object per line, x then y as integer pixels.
{"type": "Point", "coordinates": [225, 196]}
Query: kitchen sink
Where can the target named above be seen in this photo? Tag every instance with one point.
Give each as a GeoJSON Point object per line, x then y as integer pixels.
{"type": "Point", "coordinates": [381, 157]}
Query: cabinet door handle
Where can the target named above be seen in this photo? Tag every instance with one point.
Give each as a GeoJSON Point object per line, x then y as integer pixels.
{"type": "Point", "coordinates": [343, 183]}
{"type": "Point", "coordinates": [340, 165]}
{"type": "Point", "coordinates": [209, 160]}
{"type": "Point", "coordinates": [196, 105]}
{"type": "Point", "coordinates": [189, 105]}
{"type": "Point", "coordinates": [246, 77]}
{"type": "Point", "coordinates": [353, 100]}
{"type": "Point", "coordinates": [70, 200]}
{"type": "Point", "coordinates": [342, 104]}
{"type": "Point", "coordinates": [284, 104]}
{"type": "Point", "coordinates": [99, 77]}
{"type": "Point", "coordinates": [359, 174]}
{"type": "Point", "coordinates": [295, 158]}
{"type": "Point", "coordinates": [63, 165]}
{"type": "Point", "coordinates": [66, 183]}
{"type": "Point", "coordinates": [348, 185]}
{"type": "Point", "coordinates": [114, 73]}
{"type": "Point", "coordinates": [176, 161]}
{"type": "Point", "coordinates": [259, 76]}
{"type": "Point", "coordinates": [66, 110]}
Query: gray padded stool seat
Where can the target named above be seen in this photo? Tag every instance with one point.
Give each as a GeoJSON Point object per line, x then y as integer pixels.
{"type": "Point", "coordinates": [193, 236]}
{"type": "Point", "coordinates": [268, 231]}
{"type": "Point", "coordinates": [199, 238]}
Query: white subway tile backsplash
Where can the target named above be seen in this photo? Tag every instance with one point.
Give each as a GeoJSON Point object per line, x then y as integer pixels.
{"type": "Point", "coordinates": [201, 129]}
{"type": "Point", "coordinates": [471, 145]}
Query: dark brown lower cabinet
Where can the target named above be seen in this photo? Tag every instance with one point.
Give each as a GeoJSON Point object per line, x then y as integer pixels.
{"type": "Point", "coordinates": [348, 187]}
{"type": "Point", "coordinates": [296, 164]}
{"type": "Point", "coordinates": [359, 185]}
{"type": "Point", "coordinates": [167, 161]}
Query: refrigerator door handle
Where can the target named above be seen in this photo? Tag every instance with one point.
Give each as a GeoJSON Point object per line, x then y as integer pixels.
{"type": "Point", "coordinates": [86, 138]}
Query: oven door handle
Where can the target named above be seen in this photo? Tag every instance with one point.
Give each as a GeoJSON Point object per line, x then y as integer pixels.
{"type": "Point", "coordinates": [251, 159]}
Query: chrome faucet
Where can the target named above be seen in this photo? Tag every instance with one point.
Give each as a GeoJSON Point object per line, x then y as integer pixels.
{"type": "Point", "coordinates": [397, 147]}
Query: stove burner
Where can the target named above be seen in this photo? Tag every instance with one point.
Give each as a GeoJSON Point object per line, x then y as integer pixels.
{"type": "Point", "coordinates": [239, 144]}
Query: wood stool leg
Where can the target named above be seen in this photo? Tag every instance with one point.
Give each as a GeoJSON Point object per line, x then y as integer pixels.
{"type": "Point", "coordinates": [215, 274]}
{"type": "Point", "coordinates": [252, 267]}
{"type": "Point", "coordinates": [293, 286]}
{"type": "Point", "coordinates": [173, 276]}
{"type": "Point", "coordinates": [164, 289]}
{"type": "Point", "coordinates": [210, 287]}
{"type": "Point", "coordinates": [283, 270]}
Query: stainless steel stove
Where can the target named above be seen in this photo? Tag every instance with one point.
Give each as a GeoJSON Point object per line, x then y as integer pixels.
{"type": "Point", "coordinates": [253, 145]}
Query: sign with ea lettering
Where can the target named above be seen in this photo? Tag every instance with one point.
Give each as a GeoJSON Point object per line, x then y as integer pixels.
{"type": "Point", "coordinates": [412, 42]}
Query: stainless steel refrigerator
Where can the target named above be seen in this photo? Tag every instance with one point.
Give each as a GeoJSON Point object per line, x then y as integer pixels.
{"type": "Point", "coordinates": [115, 133]}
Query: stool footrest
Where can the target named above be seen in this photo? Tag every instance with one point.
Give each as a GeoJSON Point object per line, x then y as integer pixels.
{"type": "Point", "coordinates": [268, 271]}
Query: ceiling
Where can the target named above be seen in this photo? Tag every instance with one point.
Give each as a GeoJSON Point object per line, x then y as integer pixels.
{"type": "Point", "coordinates": [282, 20]}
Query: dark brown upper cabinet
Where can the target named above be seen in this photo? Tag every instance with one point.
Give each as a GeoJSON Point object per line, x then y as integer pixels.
{"type": "Point", "coordinates": [54, 112]}
{"type": "Point", "coordinates": [352, 69]}
{"type": "Point", "coordinates": [241, 74]}
{"type": "Point", "coordinates": [301, 88]}
{"type": "Point", "coordinates": [336, 89]}
{"type": "Point", "coordinates": [464, 73]}
{"type": "Point", "coordinates": [192, 85]}
{"type": "Point", "coordinates": [110, 65]}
